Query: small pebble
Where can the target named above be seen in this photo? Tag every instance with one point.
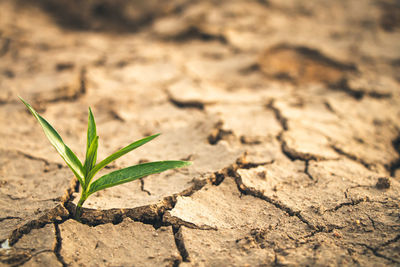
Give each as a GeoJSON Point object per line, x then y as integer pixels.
{"type": "Point", "coordinates": [337, 235]}
{"type": "Point", "coordinates": [383, 183]}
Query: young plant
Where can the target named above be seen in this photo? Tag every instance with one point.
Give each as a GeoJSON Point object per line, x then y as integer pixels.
{"type": "Point", "coordinates": [86, 170]}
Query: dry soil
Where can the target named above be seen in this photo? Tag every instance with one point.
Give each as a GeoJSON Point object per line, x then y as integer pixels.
{"type": "Point", "coordinates": [289, 111]}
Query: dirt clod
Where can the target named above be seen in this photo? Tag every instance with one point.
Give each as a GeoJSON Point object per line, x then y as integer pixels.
{"type": "Point", "coordinates": [383, 183]}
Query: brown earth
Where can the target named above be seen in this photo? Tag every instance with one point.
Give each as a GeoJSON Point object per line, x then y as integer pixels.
{"type": "Point", "coordinates": [288, 109]}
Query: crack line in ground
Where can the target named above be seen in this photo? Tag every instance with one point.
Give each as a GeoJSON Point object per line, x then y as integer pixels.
{"type": "Point", "coordinates": [48, 216]}
{"type": "Point", "coordinates": [244, 164]}
{"type": "Point", "coordinates": [45, 161]}
{"type": "Point", "coordinates": [352, 157]}
{"type": "Point", "coordinates": [285, 127]}
{"type": "Point", "coordinates": [278, 115]}
{"type": "Point", "coordinates": [10, 218]}
{"type": "Point", "coordinates": [180, 244]}
{"type": "Point", "coordinates": [352, 203]}
{"type": "Point", "coordinates": [307, 172]}
{"type": "Point", "coordinates": [395, 164]}
{"type": "Point", "coordinates": [371, 220]}
{"type": "Point", "coordinates": [58, 245]}
{"type": "Point", "coordinates": [329, 107]}
{"type": "Point", "coordinates": [286, 150]}
{"type": "Point", "coordinates": [377, 254]}
{"type": "Point", "coordinates": [60, 212]}
{"type": "Point", "coordinates": [293, 155]}
{"type": "Point", "coordinates": [31, 256]}
{"type": "Point", "coordinates": [374, 250]}
{"type": "Point", "coordinates": [196, 33]}
{"type": "Point", "coordinates": [397, 238]}
{"type": "Point", "coordinates": [215, 179]}
{"type": "Point", "coordinates": [14, 198]}
{"type": "Point", "coordinates": [276, 262]}
{"type": "Point", "coordinates": [177, 222]}
{"type": "Point", "coordinates": [15, 257]}
{"type": "Point", "coordinates": [73, 188]}
{"type": "Point", "coordinates": [393, 167]}
{"type": "Point", "coordinates": [254, 192]}
{"type": "Point", "coordinates": [357, 94]}
{"type": "Point", "coordinates": [290, 153]}
{"type": "Point", "coordinates": [142, 187]}
{"type": "Point", "coordinates": [186, 104]}
{"type": "Point", "coordinates": [326, 231]}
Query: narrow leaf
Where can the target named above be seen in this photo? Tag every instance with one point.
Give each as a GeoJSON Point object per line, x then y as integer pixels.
{"type": "Point", "coordinates": [91, 157]}
{"type": "Point", "coordinates": [91, 135]}
{"type": "Point", "coordinates": [120, 153]}
{"type": "Point", "coordinates": [133, 173]}
{"type": "Point", "coordinates": [55, 139]}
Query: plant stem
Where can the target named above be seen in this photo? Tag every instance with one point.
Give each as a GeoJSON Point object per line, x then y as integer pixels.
{"type": "Point", "coordinates": [78, 211]}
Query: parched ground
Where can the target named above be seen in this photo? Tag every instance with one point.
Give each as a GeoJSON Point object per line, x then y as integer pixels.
{"type": "Point", "coordinates": [289, 110]}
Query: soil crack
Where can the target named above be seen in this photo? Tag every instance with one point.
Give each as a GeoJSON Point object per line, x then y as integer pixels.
{"type": "Point", "coordinates": [244, 164]}
{"type": "Point", "coordinates": [58, 245]}
{"type": "Point", "coordinates": [58, 213]}
{"type": "Point", "coordinates": [142, 187]}
{"type": "Point", "coordinates": [186, 104]}
{"type": "Point", "coordinates": [254, 192]}
{"type": "Point", "coordinates": [358, 94]}
{"type": "Point", "coordinates": [10, 218]}
{"type": "Point", "coordinates": [352, 157]}
{"type": "Point", "coordinates": [177, 222]}
{"type": "Point", "coordinates": [293, 155]}
{"type": "Point", "coordinates": [395, 165]}
{"type": "Point", "coordinates": [289, 152]}
{"type": "Point", "coordinates": [45, 161]}
{"type": "Point", "coordinates": [50, 216]}
{"type": "Point", "coordinates": [307, 171]}
{"type": "Point", "coordinates": [180, 244]}
{"type": "Point", "coordinates": [352, 203]}
{"type": "Point", "coordinates": [378, 254]}
{"type": "Point", "coordinates": [397, 238]}
{"type": "Point", "coordinates": [18, 257]}
{"type": "Point", "coordinates": [195, 33]}
{"type": "Point", "coordinates": [372, 221]}
{"type": "Point", "coordinates": [278, 115]}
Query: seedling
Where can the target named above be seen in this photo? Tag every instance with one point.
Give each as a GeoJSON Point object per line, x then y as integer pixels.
{"type": "Point", "coordinates": [86, 170]}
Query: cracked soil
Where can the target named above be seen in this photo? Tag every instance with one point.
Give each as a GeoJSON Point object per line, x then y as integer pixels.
{"type": "Point", "coordinates": [289, 111]}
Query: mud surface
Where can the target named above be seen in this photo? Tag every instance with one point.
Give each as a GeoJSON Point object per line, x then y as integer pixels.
{"type": "Point", "coordinates": [289, 111]}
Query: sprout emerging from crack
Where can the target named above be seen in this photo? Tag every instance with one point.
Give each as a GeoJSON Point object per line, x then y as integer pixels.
{"type": "Point", "coordinates": [86, 170]}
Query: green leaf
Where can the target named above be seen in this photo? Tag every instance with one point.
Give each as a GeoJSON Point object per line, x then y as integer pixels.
{"type": "Point", "coordinates": [91, 157]}
{"type": "Point", "coordinates": [91, 136]}
{"type": "Point", "coordinates": [120, 153]}
{"type": "Point", "coordinates": [55, 139]}
{"type": "Point", "coordinates": [133, 173]}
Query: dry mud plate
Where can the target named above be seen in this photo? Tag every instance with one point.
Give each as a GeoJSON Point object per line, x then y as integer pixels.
{"type": "Point", "coordinates": [289, 110]}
